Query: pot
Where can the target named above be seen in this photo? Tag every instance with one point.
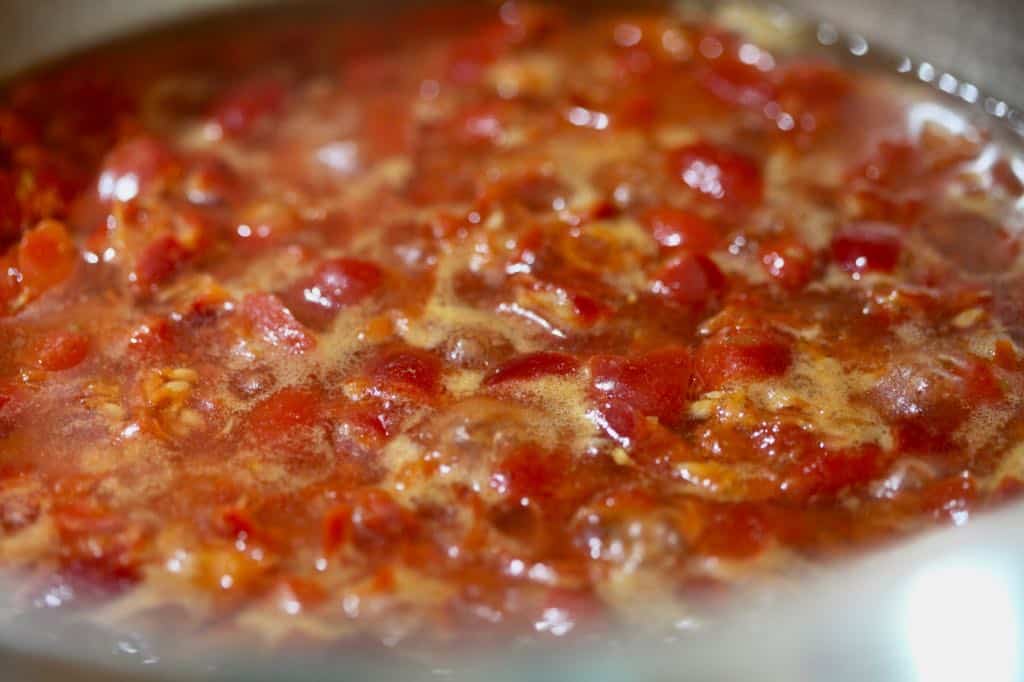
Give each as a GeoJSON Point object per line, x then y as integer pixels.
{"type": "Point", "coordinates": [949, 605]}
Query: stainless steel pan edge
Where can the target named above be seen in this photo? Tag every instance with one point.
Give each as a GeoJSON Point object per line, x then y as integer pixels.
{"type": "Point", "coordinates": [979, 41]}
{"type": "Point", "coordinates": [949, 606]}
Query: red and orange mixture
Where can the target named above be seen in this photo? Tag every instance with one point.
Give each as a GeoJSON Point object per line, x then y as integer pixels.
{"type": "Point", "coordinates": [515, 317]}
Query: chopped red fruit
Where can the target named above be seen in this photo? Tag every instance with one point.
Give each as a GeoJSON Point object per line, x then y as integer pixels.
{"type": "Point", "coordinates": [970, 241]}
{"type": "Point", "coordinates": [812, 94]}
{"type": "Point", "coordinates": [212, 181]}
{"type": "Point", "coordinates": [235, 521]}
{"type": "Point", "coordinates": [152, 338]}
{"type": "Point", "coordinates": [743, 355]}
{"type": "Point", "coordinates": [295, 594]}
{"type": "Point", "coordinates": [654, 385]}
{"type": "Point", "coordinates": [980, 383]}
{"type": "Point", "coordinates": [532, 366]}
{"type": "Point", "coordinates": [867, 247]}
{"type": "Point", "coordinates": [158, 262]}
{"type": "Point", "coordinates": [335, 284]}
{"type": "Point", "coordinates": [950, 499]}
{"type": "Point", "coordinates": [283, 414]}
{"type": "Point", "coordinates": [275, 323]}
{"type": "Point", "coordinates": [744, 80]}
{"type": "Point", "coordinates": [359, 428]}
{"type": "Point", "coordinates": [407, 370]}
{"type": "Point", "coordinates": [46, 256]}
{"type": "Point", "coordinates": [789, 262]}
{"type": "Point", "coordinates": [248, 103]}
{"type": "Point", "coordinates": [717, 173]}
{"type": "Point", "coordinates": [135, 167]}
{"type": "Point", "coordinates": [826, 472]}
{"type": "Point", "coordinates": [536, 192]}
{"type": "Point", "coordinates": [690, 280]}
{"type": "Point", "coordinates": [61, 350]}
{"type": "Point", "coordinates": [336, 529]}
{"type": "Point", "coordinates": [370, 519]}
{"type": "Point", "coordinates": [568, 611]}
{"type": "Point", "coordinates": [530, 473]}
{"type": "Point", "coordinates": [588, 309]}
{"type": "Point", "coordinates": [735, 531]}
{"type": "Point", "coordinates": [673, 228]}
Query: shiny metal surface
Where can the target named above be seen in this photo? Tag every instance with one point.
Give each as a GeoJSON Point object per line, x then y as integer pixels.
{"type": "Point", "coordinates": [981, 41]}
{"type": "Point", "coordinates": [949, 606]}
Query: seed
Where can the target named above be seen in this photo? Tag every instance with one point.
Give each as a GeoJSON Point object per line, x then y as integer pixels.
{"type": "Point", "coordinates": [177, 387]}
{"type": "Point", "coordinates": [111, 411]}
{"type": "Point", "coordinates": [183, 374]}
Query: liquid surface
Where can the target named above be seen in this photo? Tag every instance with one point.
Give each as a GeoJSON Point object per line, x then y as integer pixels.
{"type": "Point", "coordinates": [502, 320]}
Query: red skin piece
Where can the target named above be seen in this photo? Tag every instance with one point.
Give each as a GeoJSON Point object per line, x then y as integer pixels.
{"type": "Point", "coordinates": [826, 472]}
{"type": "Point", "coordinates": [690, 280]}
{"type": "Point", "coordinates": [568, 611]}
{"type": "Point", "coordinates": [532, 366]}
{"type": "Point", "coordinates": [716, 173]}
{"type": "Point", "coordinates": [970, 242]}
{"type": "Point", "coordinates": [981, 384]}
{"type": "Point", "coordinates": [95, 540]}
{"type": "Point", "coordinates": [235, 522]}
{"type": "Point", "coordinates": [589, 309]}
{"type": "Point", "coordinates": [135, 167]}
{"type": "Point", "coordinates": [735, 531]}
{"type": "Point", "coordinates": [370, 519]}
{"type": "Point", "coordinates": [153, 338]}
{"type": "Point", "coordinates": [743, 355]}
{"type": "Point", "coordinates": [158, 262]}
{"type": "Point", "coordinates": [336, 529]}
{"type": "Point", "coordinates": [211, 181]}
{"type": "Point", "coordinates": [917, 435]}
{"type": "Point", "coordinates": [58, 351]}
{"type": "Point", "coordinates": [788, 262]}
{"type": "Point", "coordinates": [411, 371]}
{"type": "Point", "coordinates": [813, 93]}
{"type": "Point", "coordinates": [867, 247]}
{"type": "Point", "coordinates": [655, 385]}
{"type": "Point", "coordinates": [302, 591]}
{"type": "Point", "coordinates": [529, 473]}
{"type": "Point", "coordinates": [275, 323]}
{"type": "Point", "coordinates": [335, 284]}
{"type": "Point", "coordinates": [248, 103]}
{"type": "Point", "coordinates": [364, 425]}
{"type": "Point", "coordinates": [46, 256]}
{"type": "Point", "coordinates": [949, 498]}
{"type": "Point", "coordinates": [280, 415]}
{"type": "Point", "coordinates": [930, 405]}
{"type": "Point", "coordinates": [733, 81]}
{"type": "Point", "coordinates": [673, 228]}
